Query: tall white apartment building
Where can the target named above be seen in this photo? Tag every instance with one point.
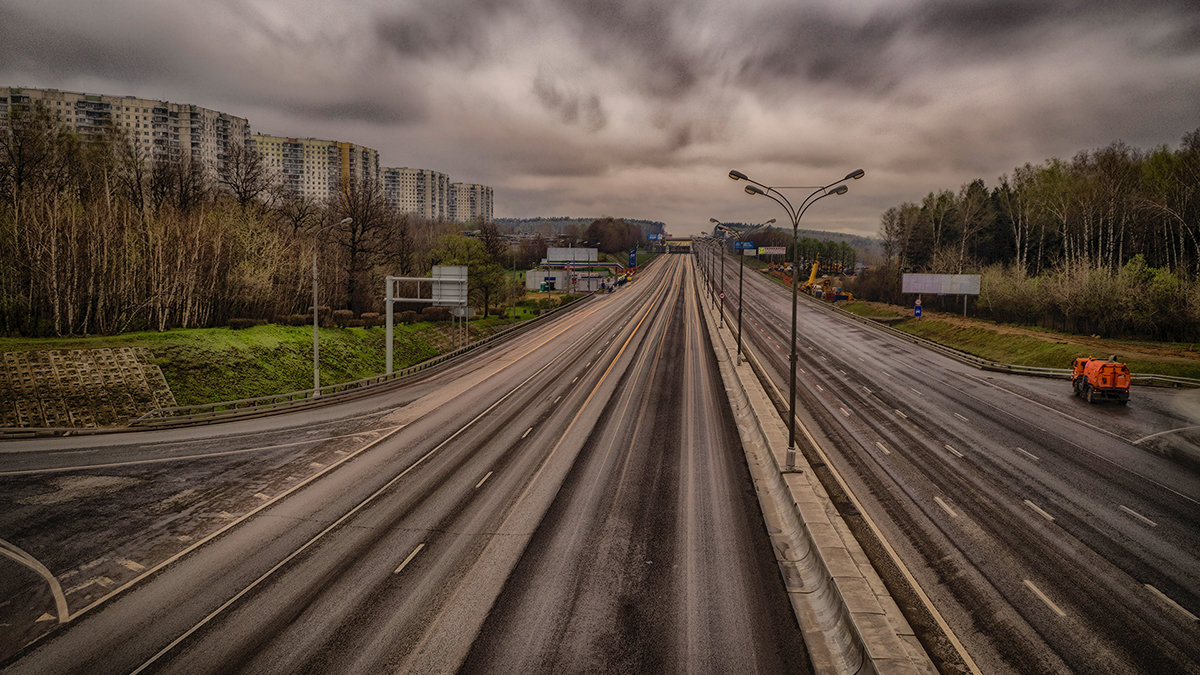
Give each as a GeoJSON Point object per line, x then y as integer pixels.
{"type": "Point", "coordinates": [158, 129]}
{"type": "Point", "coordinates": [423, 192]}
{"type": "Point", "coordinates": [316, 168]}
{"type": "Point", "coordinates": [470, 202]}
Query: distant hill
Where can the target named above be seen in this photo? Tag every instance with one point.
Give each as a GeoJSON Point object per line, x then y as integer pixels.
{"type": "Point", "coordinates": [559, 224]}
{"type": "Point", "coordinates": [866, 247]}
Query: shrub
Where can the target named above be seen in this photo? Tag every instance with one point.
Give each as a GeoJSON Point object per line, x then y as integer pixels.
{"type": "Point", "coordinates": [341, 317]}
{"type": "Point", "coordinates": [239, 324]}
{"type": "Point", "coordinates": [372, 319]}
{"type": "Point", "coordinates": [299, 319]}
{"type": "Point", "coordinates": [436, 313]}
{"type": "Point", "coordinates": [408, 316]}
{"type": "Point", "coordinates": [355, 323]}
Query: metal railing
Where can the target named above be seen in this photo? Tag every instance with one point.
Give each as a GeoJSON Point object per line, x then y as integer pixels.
{"type": "Point", "coordinates": [1146, 379]}
{"type": "Point", "coordinates": [202, 413]}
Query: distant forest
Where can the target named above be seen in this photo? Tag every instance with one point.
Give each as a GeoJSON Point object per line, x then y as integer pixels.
{"type": "Point", "coordinates": [1107, 242]}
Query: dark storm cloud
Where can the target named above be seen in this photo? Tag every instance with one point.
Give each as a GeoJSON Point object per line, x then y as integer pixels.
{"type": "Point", "coordinates": [443, 29]}
{"type": "Point", "coordinates": [643, 40]}
{"type": "Point", "coordinates": [396, 110]}
{"type": "Point", "coordinates": [46, 46]}
{"type": "Point", "coordinates": [572, 108]}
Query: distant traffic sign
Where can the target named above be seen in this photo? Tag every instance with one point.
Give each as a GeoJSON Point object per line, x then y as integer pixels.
{"type": "Point", "coordinates": [742, 245]}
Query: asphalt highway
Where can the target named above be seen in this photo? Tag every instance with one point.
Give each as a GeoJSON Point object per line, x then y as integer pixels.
{"type": "Point", "coordinates": [573, 499]}
{"type": "Point", "coordinates": [1052, 535]}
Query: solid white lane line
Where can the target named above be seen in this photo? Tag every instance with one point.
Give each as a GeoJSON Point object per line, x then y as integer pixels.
{"type": "Point", "coordinates": [1168, 431]}
{"type": "Point", "coordinates": [483, 480]}
{"type": "Point", "coordinates": [1028, 454]}
{"type": "Point", "coordinates": [526, 432]}
{"type": "Point", "coordinates": [184, 458]}
{"type": "Point", "coordinates": [410, 557]}
{"type": "Point", "coordinates": [1137, 515]}
{"type": "Point", "coordinates": [961, 417]}
{"type": "Point", "coordinates": [1163, 596]}
{"type": "Point", "coordinates": [16, 553]}
{"type": "Point", "coordinates": [1042, 596]}
{"type": "Point", "coordinates": [880, 446]}
{"type": "Point", "coordinates": [844, 411]}
{"type": "Point", "coordinates": [954, 452]}
{"type": "Point", "coordinates": [945, 506]}
{"type": "Point", "coordinates": [901, 414]}
{"type": "Point", "coordinates": [1037, 508]}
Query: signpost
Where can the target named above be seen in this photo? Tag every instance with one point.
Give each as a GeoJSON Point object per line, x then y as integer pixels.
{"type": "Point", "coordinates": [941, 284]}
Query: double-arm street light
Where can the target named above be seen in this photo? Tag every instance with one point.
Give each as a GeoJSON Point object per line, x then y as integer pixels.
{"type": "Point", "coordinates": [740, 236]}
{"type": "Point", "coordinates": [795, 213]}
{"type": "Point", "coordinates": [724, 230]}
{"type": "Point", "coordinates": [316, 315]}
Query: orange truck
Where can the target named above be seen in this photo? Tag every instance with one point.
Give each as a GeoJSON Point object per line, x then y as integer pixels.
{"type": "Point", "coordinates": [1101, 379]}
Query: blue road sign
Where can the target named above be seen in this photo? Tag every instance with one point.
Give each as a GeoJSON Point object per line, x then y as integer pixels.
{"type": "Point", "coordinates": [633, 257]}
{"type": "Point", "coordinates": [743, 245]}
{"type": "Point", "coordinates": [917, 311]}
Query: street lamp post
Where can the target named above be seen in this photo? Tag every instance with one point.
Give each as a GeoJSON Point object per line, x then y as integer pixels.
{"type": "Point", "coordinates": [795, 213]}
{"type": "Point", "coordinates": [316, 314]}
{"type": "Point", "coordinates": [741, 237]}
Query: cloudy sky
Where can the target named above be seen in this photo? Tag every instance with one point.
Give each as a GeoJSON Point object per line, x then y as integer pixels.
{"type": "Point", "coordinates": [639, 108]}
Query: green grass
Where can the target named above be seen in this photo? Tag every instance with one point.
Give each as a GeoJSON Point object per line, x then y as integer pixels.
{"type": "Point", "coordinates": [213, 364]}
{"type": "Point", "coordinates": [1043, 348]}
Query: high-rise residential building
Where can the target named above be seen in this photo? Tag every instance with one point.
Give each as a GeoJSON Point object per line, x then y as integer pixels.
{"type": "Point", "coordinates": [470, 202]}
{"type": "Point", "coordinates": [159, 129]}
{"type": "Point", "coordinates": [316, 168]}
{"type": "Point", "coordinates": [423, 192]}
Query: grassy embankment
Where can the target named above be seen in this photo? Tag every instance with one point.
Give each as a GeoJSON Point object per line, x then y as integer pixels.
{"type": "Point", "coordinates": [1032, 346]}
{"type": "Point", "coordinates": [206, 365]}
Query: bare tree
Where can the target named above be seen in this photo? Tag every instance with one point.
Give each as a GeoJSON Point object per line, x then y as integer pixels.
{"type": "Point", "coordinates": [363, 216]}
{"type": "Point", "coordinates": [244, 174]}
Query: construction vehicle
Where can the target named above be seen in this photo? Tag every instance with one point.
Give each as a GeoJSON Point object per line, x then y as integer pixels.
{"type": "Point", "coordinates": [1101, 379]}
{"type": "Point", "coordinates": [811, 278]}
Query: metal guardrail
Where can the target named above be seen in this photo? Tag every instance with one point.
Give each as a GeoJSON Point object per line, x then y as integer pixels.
{"type": "Point", "coordinates": [1148, 379]}
{"type": "Point", "coordinates": [296, 400]}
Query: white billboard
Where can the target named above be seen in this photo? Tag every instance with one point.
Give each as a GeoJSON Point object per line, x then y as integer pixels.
{"type": "Point", "coordinates": [560, 255]}
{"type": "Point", "coordinates": [941, 284]}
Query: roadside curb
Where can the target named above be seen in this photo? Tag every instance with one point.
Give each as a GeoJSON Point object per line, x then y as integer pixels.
{"type": "Point", "coordinates": [848, 618]}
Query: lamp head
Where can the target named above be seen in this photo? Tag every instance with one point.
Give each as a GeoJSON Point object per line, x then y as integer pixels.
{"type": "Point", "coordinates": [714, 220]}
{"type": "Point", "coordinates": [753, 190]}
{"type": "Point", "coordinates": [769, 221]}
{"type": "Point", "coordinates": [737, 175]}
{"type": "Point", "coordinates": [855, 174]}
{"type": "Point", "coordinates": [839, 190]}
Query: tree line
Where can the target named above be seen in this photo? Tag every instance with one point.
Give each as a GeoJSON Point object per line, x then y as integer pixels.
{"type": "Point", "coordinates": [1107, 242]}
{"type": "Point", "coordinates": [98, 238]}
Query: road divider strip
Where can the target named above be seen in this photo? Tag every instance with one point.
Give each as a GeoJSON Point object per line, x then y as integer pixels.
{"type": "Point", "coordinates": [849, 621]}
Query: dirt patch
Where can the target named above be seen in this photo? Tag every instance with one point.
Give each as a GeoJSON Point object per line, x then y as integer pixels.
{"type": "Point", "coordinates": [71, 488]}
